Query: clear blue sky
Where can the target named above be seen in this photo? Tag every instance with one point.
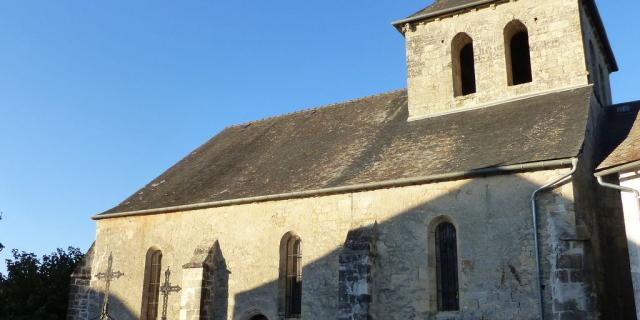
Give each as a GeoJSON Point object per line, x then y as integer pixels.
{"type": "Point", "coordinates": [99, 97]}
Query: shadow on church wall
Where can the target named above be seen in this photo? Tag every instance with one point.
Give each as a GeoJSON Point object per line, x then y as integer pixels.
{"type": "Point", "coordinates": [215, 284]}
{"type": "Point", "coordinates": [204, 290]}
{"type": "Point", "coordinates": [385, 269]}
{"type": "Point", "coordinates": [86, 303]}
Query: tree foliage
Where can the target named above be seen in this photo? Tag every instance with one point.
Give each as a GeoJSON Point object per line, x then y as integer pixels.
{"type": "Point", "coordinates": [37, 289]}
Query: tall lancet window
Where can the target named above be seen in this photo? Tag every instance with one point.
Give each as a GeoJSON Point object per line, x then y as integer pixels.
{"type": "Point", "coordinates": [151, 289]}
{"type": "Point", "coordinates": [463, 64]}
{"type": "Point", "coordinates": [518, 55]}
{"type": "Point", "coordinates": [447, 267]}
{"type": "Point", "coordinates": [291, 275]}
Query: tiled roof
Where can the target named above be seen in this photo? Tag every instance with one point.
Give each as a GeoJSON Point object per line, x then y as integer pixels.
{"type": "Point", "coordinates": [363, 141]}
{"type": "Point", "coordinates": [622, 130]}
{"type": "Point", "coordinates": [446, 5]}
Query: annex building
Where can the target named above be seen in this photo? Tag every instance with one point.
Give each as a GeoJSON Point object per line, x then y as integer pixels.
{"type": "Point", "coordinates": [501, 184]}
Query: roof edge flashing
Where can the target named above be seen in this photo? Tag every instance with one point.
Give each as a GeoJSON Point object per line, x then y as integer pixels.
{"type": "Point", "coordinates": [398, 24]}
{"type": "Point", "coordinates": [497, 170]}
{"type": "Point", "coordinates": [629, 166]}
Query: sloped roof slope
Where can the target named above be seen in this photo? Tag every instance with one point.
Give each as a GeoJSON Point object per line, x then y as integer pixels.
{"type": "Point", "coordinates": [366, 140]}
{"type": "Point", "coordinates": [445, 6]}
{"type": "Point", "coordinates": [622, 129]}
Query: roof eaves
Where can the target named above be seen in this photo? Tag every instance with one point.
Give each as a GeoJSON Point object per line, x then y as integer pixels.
{"type": "Point", "coordinates": [488, 171]}
{"type": "Point", "coordinates": [629, 166]}
{"type": "Point", "coordinates": [399, 23]}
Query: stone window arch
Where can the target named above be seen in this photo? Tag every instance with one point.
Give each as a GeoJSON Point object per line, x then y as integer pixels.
{"type": "Point", "coordinates": [290, 283]}
{"type": "Point", "coordinates": [518, 53]}
{"type": "Point", "coordinates": [444, 266]}
{"type": "Point", "coordinates": [463, 65]}
{"type": "Point", "coordinates": [151, 286]}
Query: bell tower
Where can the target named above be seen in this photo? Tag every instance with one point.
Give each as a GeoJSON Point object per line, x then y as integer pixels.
{"type": "Point", "coordinates": [468, 54]}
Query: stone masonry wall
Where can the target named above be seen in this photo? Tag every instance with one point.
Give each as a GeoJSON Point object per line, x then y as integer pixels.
{"type": "Point", "coordinates": [567, 287]}
{"type": "Point", "coordinates": [557, 54]}
{"type": "Point", "coordinates": [599, 216]}
{"type": "Point", "coordinates": [355, 289]}
{"type": "Point", "coordinates": [204, 284]}
{"type": "Point", "coordinates": [492, 217]}
{"type": "Point", "coordinates": [83, 302]}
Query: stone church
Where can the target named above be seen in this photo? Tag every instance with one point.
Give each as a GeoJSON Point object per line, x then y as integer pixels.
{"type": "Point", "coordinates": [501, 184]}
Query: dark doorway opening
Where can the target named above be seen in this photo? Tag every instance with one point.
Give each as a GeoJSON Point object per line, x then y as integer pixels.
{"type": "Point", "coordinates": [259, 317]}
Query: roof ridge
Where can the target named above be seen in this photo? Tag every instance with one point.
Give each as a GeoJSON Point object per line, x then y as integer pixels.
{"type": "Point", "coordinates": [248, 123]}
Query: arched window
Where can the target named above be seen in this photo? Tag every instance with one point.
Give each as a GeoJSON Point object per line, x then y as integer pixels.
{"type": "Point", "coordinates": [518, 55]}
{"type": "Point", "coordinates": [291, 275]}
{"type": "Point", "coordinates": [151, 293]}
{"type": "Point", "coordinates": [447, 267]}
{"type": "Point", "coordinates": [259, 317]}
{"type": "Point", "coordinates": [464, 72]}
{"type": "Point", "coordinates": [294, 277]}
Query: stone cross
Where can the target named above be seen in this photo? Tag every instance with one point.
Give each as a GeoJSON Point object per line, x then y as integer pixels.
{"type": "Point", "coordinates": [166, 290]}
{"type": "Point", "coordinates": [108, 276]}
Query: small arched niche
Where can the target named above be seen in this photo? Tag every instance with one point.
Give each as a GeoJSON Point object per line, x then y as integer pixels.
{"type": "Point", "coordinates": [517, 53]}
{"type": "Point", "coordinates": [463, 65]}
